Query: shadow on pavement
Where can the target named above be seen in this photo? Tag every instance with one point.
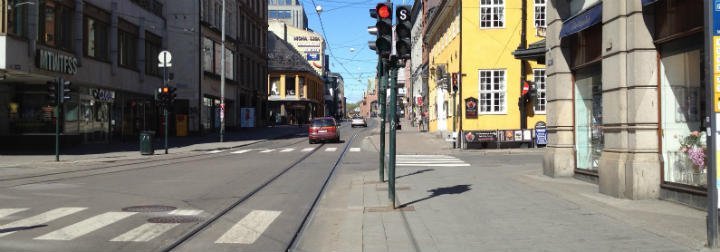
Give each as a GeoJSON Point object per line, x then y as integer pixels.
{"type": "Point", "coordinates": [158, 141]}
{"type": "Point", "coordinates": [13, 229]}
{"type": "Point", "coordinates": [415, 173]}
{"type": "Point", "coordinates": [458, 189]}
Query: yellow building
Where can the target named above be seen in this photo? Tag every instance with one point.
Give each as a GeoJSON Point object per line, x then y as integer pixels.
{"type": "Point", "coordinates": [472, 43]}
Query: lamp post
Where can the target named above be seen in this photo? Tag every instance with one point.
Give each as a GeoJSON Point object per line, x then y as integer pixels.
{"type": "Point", "coordinates": [222, 74]}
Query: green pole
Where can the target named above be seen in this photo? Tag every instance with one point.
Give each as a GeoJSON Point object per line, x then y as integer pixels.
{"type": "Point", "coordinates": [57, 133]}
{"type": "Point", "coordinates": [166, 129]}
{"type": "Point", "coordinates": [381, 92]}
{"type": "Point", "coordinates": [393, 126]}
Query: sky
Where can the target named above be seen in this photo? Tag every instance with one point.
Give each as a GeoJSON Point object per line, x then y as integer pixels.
{"type": "Point", "coordinates": [345, 24]}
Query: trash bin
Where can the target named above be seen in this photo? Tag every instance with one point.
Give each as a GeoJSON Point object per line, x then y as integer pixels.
{"type": "Point", "coordinates": [146, 143]}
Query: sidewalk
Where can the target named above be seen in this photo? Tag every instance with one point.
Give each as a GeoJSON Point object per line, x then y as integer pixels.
{"type": "Point", "coordinates": [91, 153]}
{"type": "Point", "coordinates": [499, 203]}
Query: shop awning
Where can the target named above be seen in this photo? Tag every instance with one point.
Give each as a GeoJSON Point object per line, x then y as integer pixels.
{"type": "Point", "coordinates": [582, 21]}
{"type": "Point", "coordinates": [535, 52]}
{"type": "Point", "coordinates": [648, 2]}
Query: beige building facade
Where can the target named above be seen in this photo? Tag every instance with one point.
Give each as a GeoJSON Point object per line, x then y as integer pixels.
{"type": "Point", "coordinates": [626, 97]}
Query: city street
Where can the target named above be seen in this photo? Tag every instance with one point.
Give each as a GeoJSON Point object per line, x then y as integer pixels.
{"type": "Point", "coordinates": [257, 197]}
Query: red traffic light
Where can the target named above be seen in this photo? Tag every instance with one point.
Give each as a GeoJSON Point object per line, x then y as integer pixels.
{"type": "Point", "coordinates": [383, 11]}
{"type": "Point", "coordinates": [165, 90]}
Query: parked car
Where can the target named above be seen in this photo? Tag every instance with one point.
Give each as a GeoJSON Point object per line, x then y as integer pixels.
{"type": "Point", "coordinates": [323, 129]}
{"type": "Point", "coordinates": [358, 122]}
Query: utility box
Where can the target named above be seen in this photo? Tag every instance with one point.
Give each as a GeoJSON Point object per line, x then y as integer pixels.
{"type": "Point", "coordinates": [146, 143]}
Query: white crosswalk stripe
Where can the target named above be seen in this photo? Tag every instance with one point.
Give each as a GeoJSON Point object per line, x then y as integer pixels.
{"type": "Point", "coordinates": [149, 231]}
{"type": "Point", "coordinates": [307, 149]}
{"type": "Point", "coordinates": [42, 218]}
{"type": "Point", "coordinates": [267, 151]}
{"type": "Point", "coordinates": [214, 151]}
{"type": "Point", "coordinates": [330, 149]}
{"type": "Point", "coordinates": [240, 151]}
{"type": "Point", "coordinates": [84, 227]}
{"type": "Point", "coordinates": [354, 149]}
{"type": "Point", "coordinates": [5, 212]}
{"type": "Point", "coordinates": [430, 161]}
{"type": "Point", "coordinates": [249, 229]}
{"type": "Point", "coordinates": [287, 150]}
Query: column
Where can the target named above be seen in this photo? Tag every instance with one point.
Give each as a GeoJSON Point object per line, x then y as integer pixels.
{"type": "Point", "coordinates": [630, 162]}
{"type": "Point", "coordinates": [559, 159]}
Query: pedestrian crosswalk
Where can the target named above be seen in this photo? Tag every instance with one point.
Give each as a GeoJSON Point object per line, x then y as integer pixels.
{"type": "Point", "coordinates": [430, 161]}
{"type": "Point", "coordinates": [245, 231]}
{"type": "Point", "coordinates": [278, 150]}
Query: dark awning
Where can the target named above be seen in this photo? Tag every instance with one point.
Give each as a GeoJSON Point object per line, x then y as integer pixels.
{"type": "Point", "coordinates": [648, 2]}
{"type": "Point", "coordinates": [535, 51]}
{"type": "Point", "coordinates": [582, 21]}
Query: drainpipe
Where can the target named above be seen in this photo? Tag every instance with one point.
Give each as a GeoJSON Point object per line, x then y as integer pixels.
{"type": "Point", "coordinates": [78, 26]}
{"type": "Point", "coordinates": [114, 37]}
{"type": "Point", "coordinates": [523, 70]}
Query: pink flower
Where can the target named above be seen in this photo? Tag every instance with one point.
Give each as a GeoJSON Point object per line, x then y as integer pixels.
{"type": "Point", "coordinates": [684, 149]}
{"type": "Point", "coordinates": [696, 133]}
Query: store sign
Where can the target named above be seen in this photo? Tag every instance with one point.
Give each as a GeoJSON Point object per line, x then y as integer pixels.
{"type": "Point", "coordinates": [481, 136]}
{"type": "Point", "coordinates": [540, 133]}
{"type": "Point", "coordinates": [471, 108]}
{"type": "Point", "coordinates": [102, 95]}
{"type": "Point", "coordinates": [56, 62]}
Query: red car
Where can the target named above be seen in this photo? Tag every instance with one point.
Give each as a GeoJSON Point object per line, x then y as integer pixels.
{"type": "Point", "coordinates": [323, 129]}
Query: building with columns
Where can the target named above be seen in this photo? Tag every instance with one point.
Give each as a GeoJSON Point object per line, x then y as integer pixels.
{"type": "Point", "coordinates": [626, 97]}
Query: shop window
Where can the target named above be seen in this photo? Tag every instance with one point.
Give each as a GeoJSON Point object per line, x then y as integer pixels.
{"type": "Point", "coordinates": [682, 87]}
{"type": "Point", "coordinates": [540, 13]}
{"type": "Point", "coordinates": [586, 46]}
{"type": "Point", "coordinates": [127, 44]}
{"type": "Point", "coordinates": [17, 17]}
{"type": "Point", "coordinates": [539, 80]}
{"type": "Point", "coordinates": [290, 85]}
{"type": "Point", "coordinates": [301, 80]}
{"type": "Point", "coordinates": [56, 24]}
{"type": "Point", "coordinates": [492, 13]}
{"type": "Point", "coordinates": [274, 86]}
{"type": "Point", "coordinates": [589, 140]}
{"type": "Point", "coordinates": [217, 50]}
{"type": "Point", "coordinates": [153, 45]}
{"type": "Point", "coordinates": [229, 64]}
{"type": "Point", "coordinates": [677, 17]}
{"type": "Point", "coordinates": [492, 88]}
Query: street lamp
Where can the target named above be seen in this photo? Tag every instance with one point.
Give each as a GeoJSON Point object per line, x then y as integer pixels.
{"type": "Point", "coordinates": [222, 74]}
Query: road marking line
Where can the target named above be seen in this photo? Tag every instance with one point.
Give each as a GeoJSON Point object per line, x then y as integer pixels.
{"type": "Point", "coordinates": [214, 151]}
{"type": "Point", "coordinates": [287, 150]}
{"type": "Point", "coordinates": [430, 162]}
{"type": "Point", "coordinates": [354, 149]}
{"type": "Point", "coordinates": [267, 151]}
{"type": "Point", "coordinates": [145, 232]}
{"type": "Point", "coordinates": [331, 149]}
{"type": "Point", "coordinates": [307, 149]}
{"type": "Point", "coordinates": [4, 212]}
{"type": "Point", "coordinates": [249, 229]}
{"type": "Point", "coordinates": [240, 151]}
{"type": "Point", "coordinates": [42, 218]}
{"type": "Point", "coordinates": [426, 156]}
{"type": "Point", "coordinates": [434, 165]}
{"type": "Point", "coordinates": [84, 227]}
{"type": "Point", "coordinates": [185, 212]}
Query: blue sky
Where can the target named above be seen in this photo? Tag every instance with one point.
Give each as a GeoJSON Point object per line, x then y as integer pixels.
{"type": "Point", "coordinates": [345, 23]}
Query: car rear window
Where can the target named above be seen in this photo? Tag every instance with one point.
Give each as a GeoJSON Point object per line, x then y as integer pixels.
{"type": "Point", "coordinates": [323, 122]}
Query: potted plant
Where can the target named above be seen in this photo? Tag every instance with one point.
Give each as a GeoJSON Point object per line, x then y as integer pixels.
{"type": "Point", "coordinates": [694, 146]}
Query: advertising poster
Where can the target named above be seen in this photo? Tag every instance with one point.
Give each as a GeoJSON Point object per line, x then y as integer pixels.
{"type": "Point", "coordinates": [540, 133]}
{"type": "Point", "coordinates": [247, 117]}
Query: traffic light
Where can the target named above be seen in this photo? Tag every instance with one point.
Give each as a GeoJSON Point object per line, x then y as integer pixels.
{"type": "Point", "coordinates": [171, 95]}
{"type": "Point", "coordinates": [52, 92]}
{"type": "Point", "coordinates": [454, 82]}
{"type": "Point", "coordinates": [373, 30]}
{"type": "Point", "coordinates": [383, 43]}
{"type": "Point", "coordinates": [64, 90]}
{"type": "Point", "coordinates": [402, 31]}
{"type": "Point", "coordinates": [160, 96]}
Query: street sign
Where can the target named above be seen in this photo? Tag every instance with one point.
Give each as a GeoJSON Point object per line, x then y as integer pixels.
{"type": "Point", "coordinates": [164, 58]}
{"type": "Point", "coordinates": [526, 88]}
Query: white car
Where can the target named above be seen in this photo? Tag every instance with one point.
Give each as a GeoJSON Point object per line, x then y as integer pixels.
{"type": "Point", "coordinates": [358, 121]}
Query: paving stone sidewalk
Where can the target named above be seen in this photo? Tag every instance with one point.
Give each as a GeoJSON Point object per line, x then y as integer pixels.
{"type": "Point", "coordinates": [502, 202]}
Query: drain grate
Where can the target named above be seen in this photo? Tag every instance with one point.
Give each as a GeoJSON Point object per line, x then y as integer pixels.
{"type": "Point", "coordinates": [174, 219]}
{"type": "Point", "coordinates": [149, 208]}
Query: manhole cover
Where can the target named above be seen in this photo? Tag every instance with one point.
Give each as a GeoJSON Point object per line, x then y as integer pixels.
{"type": "Point", "coordinates": [149, 208]}
{"type": "Point", "coordinates": [174, 219]}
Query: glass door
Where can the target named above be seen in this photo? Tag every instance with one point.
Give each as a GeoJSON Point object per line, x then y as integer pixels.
{"type": "Point", "coordinates": [588, 118]}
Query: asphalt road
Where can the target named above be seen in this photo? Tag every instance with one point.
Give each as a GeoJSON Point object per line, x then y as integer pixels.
{"type": "Point", "coordinates": [198, 203]}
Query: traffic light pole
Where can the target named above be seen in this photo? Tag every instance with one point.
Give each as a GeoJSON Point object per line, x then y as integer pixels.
{"type": "Point", "coordinates": [165, 112]}
{"type": "Point", "coordinates": [57, 132]}
{"type": "Point", "coordinates": [393, 131]}
{"type": "Point", "coordinates": [382, 73]}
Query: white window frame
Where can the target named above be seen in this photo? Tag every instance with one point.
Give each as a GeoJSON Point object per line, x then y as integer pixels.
{"type": "Point", "coordinates": [496, 7]}
{"type": "Point", "coordinates": [502, 91]}
{"type": "Point", "coordinates": [540, 4]}
{"type": "Point", "coordinates": [540, 81]}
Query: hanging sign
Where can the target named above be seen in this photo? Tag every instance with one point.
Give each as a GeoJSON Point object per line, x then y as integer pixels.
{"type": "Point", "coordinates": [471, 108]}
